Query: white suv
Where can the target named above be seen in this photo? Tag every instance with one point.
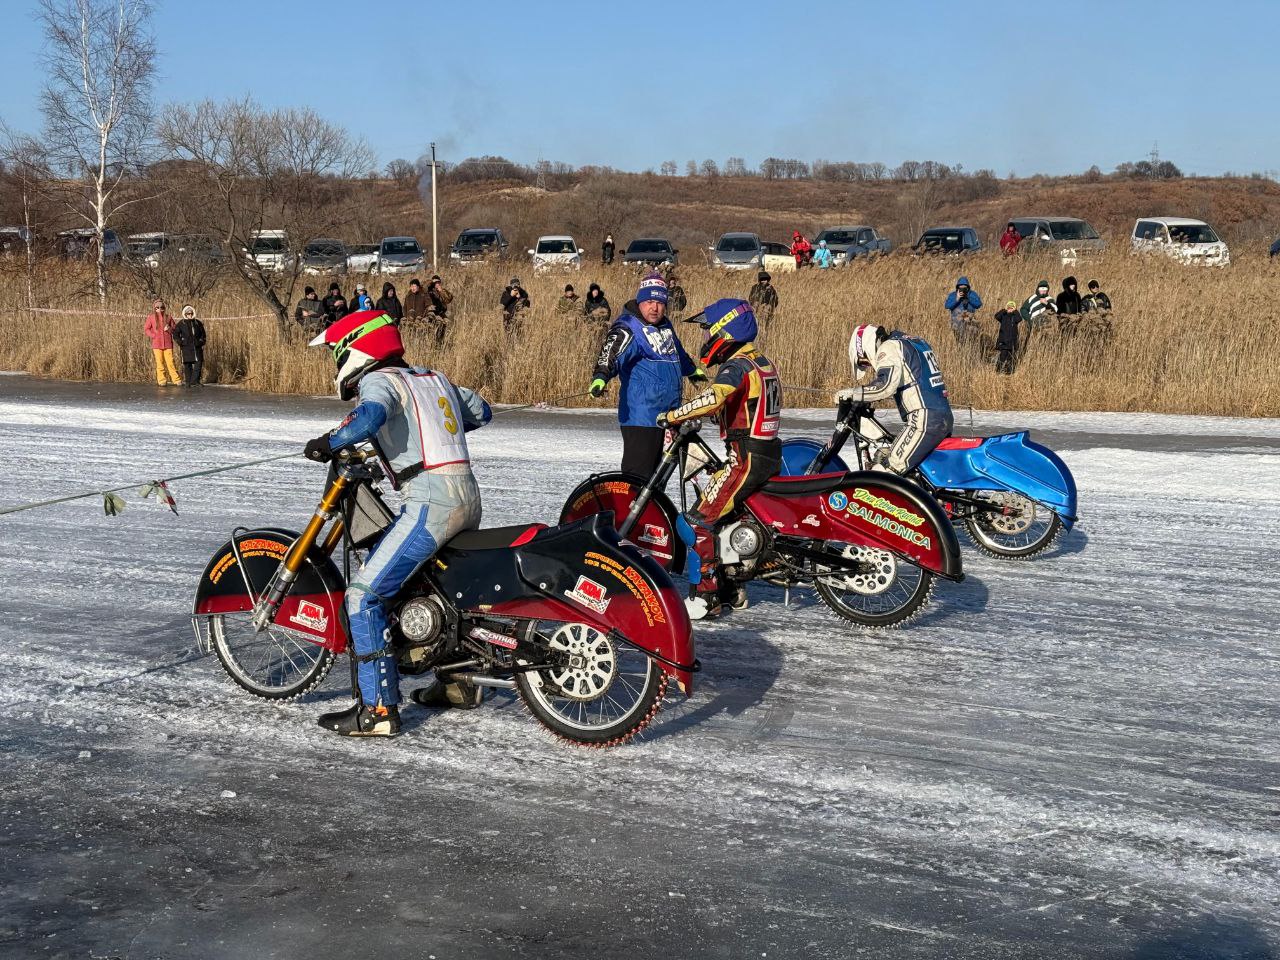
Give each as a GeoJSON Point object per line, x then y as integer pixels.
{"type": "Point", "coordinates": [556, 253]}
{"type": "Point", "coordinates": [1188, 241]}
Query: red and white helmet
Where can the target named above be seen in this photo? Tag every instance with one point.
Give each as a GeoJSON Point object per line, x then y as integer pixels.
{"type": "Point", "coordinates": [358, 341]}
{"type": "Point", "coordinates": [862, 345]}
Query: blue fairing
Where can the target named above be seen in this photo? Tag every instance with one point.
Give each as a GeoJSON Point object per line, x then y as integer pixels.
{"type": "Point", "coordinates": [1008, 462]}
{"type": "Point", "coordinates": [798, 453]}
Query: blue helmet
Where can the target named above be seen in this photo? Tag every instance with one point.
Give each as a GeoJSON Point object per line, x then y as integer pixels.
{"type": "Point", "coordinates": [729, 324]}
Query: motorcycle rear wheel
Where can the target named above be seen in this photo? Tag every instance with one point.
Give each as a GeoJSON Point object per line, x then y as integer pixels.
{"type": "Point", "coordinates": [611, 694]}
{"type": "Point", "coordinates": [1018, 530]}
{"type": "Point", "coordinates": [888, 595]}
{"type": "Point", "coordinates": [276, 664]}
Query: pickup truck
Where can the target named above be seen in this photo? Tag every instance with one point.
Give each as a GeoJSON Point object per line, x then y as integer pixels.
{"type": "Point", "coordinates": [848, 243]}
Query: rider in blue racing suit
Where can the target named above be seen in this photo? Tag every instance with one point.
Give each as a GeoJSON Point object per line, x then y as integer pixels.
{"type": "Point", "coordinates": [416, 420]}
{"type": "Point", "coordinates": [907, 371]}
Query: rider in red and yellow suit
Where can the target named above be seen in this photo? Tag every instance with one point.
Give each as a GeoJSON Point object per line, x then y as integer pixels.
{"type": "Point", "coordinates": [745, 398]}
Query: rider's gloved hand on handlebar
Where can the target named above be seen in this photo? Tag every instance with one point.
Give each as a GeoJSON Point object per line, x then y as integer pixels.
{"type": "Point", "coordinates": [848, 394]}
{"type": "Point", "coordinates": [597, 387]}
{"type": "Point", "coordinates": [318, 449]}
{"type": "Point", "coordinates": [662, 420]}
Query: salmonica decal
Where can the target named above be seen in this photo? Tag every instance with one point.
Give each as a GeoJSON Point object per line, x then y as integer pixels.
{"type": "Point", "coordinates": [838, 501]}
{"type": "Point", "coordinates": [873, 508]}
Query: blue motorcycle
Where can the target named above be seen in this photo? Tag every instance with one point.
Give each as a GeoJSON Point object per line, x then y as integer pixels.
{"type": "Point", "coordinates": [1013, 496]}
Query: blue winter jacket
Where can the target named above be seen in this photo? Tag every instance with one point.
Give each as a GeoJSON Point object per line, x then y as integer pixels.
{"type": "Point", "coordinates": [650, 361]}
{"type": "Point", "coordinates": [955, 305]}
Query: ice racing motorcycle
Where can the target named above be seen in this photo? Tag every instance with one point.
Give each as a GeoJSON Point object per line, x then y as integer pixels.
{"type": "Point", "coordinates": [870, 543]}
{"type": "Point", "coordinates": [1014, 496]}
{"type": "Point", "coordinates": [585, 627]}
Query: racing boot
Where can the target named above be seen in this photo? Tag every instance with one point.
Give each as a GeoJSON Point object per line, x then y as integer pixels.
{"type": "Point", "coordinates": [457, 694]}
{"type": "Point", "coordinates": [703, 604]}
{"type": "Point", "coordinates": [733, 596]}
{"type": "Point", "coordinates": [359, 720]}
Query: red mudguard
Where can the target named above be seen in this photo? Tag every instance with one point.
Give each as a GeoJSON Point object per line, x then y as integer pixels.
{"type": "Point", "coordinates": [313, 607]}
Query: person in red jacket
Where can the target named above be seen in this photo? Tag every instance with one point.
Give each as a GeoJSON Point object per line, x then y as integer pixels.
{"type": "Point", "coordinates": [801, 249]}
{"type": "Point", "coordinates": [159, 330]}
{"type": "Point", "coordinates": [1009, 240]}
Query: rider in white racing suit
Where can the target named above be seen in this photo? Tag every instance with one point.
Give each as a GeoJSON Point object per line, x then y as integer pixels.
{"type": "Point", "coordinates": [907, 371]}
{"type": "Point", "coordinates": [416, 420]}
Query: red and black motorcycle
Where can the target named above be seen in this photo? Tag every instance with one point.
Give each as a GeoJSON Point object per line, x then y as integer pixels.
{"type": "Point", "coordinates": [584, 626]}
{"type": "Point", "coordinates": [869, 542]}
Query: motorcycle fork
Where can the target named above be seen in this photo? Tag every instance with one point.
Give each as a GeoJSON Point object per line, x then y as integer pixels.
{"type": "Point", "coordinates": [666, 467]}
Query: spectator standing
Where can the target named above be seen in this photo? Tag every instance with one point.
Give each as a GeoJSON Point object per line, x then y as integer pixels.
{"type": "Point", "coordinates": [159, 330]}
{"type": "Point", "coordinates": [801, 249]}
{"type": "Point", "coordinates": [515, 300]}
{"type": "Point", "coordinates": [1069, 308]}
{"type": "Point", "coordinates": [643, 351]}
{"type": "Point", "coordinates": [361, 300]}
{"type": "Point", "coordinates": [417, 305]}
{"type": "Point", "coordinates": [569, 301]}
{"type": "Point", "coordinates": [677, 301]}
{"type": "Point", "coordinates": [1097, 308]}
{"type": "Point", "coordinates": [1035, 310]}
{"type": "Point", "coordinates": [822, 256]}
{"type": "Point", "coordinates": [390, 303]}
{"type": "Point", "coordinates": [607, 248]}
{"type": "Point", "coordinates": [440, 300]}
{"type": "Point", "coordinates": [763, 297]}
{"type": "Point", "coordinates": [1007, 338]}
{"type": "Point", "coordinates": [1096, 300]}
{"type": "Point", "coordinates": [310, 314]}
{"type": "Point", "coordinates": [1010, 240]}
{"type": "Point", "coordinates": [190, 337]}
{"type": "Point", "coordinates": [330, 301]}
{"type": "Point", "coordinates": [596, 305]}
{"type": "Point", "coordinates": [962, 303]}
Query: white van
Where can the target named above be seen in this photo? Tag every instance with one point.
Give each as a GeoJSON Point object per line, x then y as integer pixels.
{"type": "Point", "coordinates": [270, 249]}
{"type": "Point", "coordinates": [1187, 241]}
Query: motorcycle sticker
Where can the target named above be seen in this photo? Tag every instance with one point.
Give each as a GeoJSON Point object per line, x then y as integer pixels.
{"type": "Point", "coordinates": [873, 509]}
{"type": "Point", "coordinates": [838, 501]}
{"type": "Point", "coordinates": [590, 594]}
{"type": "Point", "coordinates": [489, 636]}
{"type": "Point", "coordinates": [812, 520]}
{"type": "Point", "coordinates": [312, 616]}
{"type": "Point", "coordinates": [654, 533]}
{"type": "Point", "coordinates": [635, 583]}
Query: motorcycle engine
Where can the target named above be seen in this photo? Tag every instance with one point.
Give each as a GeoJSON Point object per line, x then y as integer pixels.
{"type": "Point", "coordinates": [741, 541]}
{"type": "Point", "coordinates": [421, 621]}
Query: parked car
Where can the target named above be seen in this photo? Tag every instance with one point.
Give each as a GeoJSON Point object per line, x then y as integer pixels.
{"type": "Point", "coordinates": [1070, 236]}
{"type": "Point", "coordinates": [737, 251]}
{"type": "Point", "coordinates": [849, 243]}
{"type": "Point", "coordinates": [556, 253]}
{"type": "Point", "coordinates": [479, 244]}
{"type": "Point", "coordinates": [777, 257]}
{"type": "Point", "coordinates": [947, 241]}
{"type": "Point", "coordinates": [1188, 241]}
{"type": "Point", "coordinates": [145, 248]}
{"type": "Point", "coordinates": [651, 250]}
{"type": "Point", "coordinates": [158, 249]}
{"type": "Point", "coordinates": [400, 255]}
{"type": "Point", "coordinates": [79, 243]}
{"type": "Point", "coordinates": [270, 250]}
{"type": "Point", "coordinates": [324, 256]}
{"type": "Point", "coordinates": [362, 257]}
{"type": "Point", "coordinates": [13, 240]}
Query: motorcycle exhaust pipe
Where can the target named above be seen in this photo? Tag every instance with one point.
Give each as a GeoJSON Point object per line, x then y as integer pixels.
{"type": "Point", "coordinates": [484, 680]}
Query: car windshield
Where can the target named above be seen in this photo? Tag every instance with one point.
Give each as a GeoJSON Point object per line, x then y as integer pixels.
{"type": "Point", "coordinates": [948, 240]}
{"type": "Point", "coordinates": [738, 245]}
{"type": "Point", "coordinates": [837, 236]}
{"type": "Point", "coordinates": [1072, 230]}
{"type": "Point", "coordinates": [556, 246]}
{"type": "Point", "coordinates": [364, 249]}
{"type": "Point", "coordinates": [477, 240]}
{"type": "Point", "coordinates": [269, 245]}
{"type": "Point", "coordinates": [1192, 233]}
{"type": "Point", "coordinates": [141, 248]}
{"type": "Point", "coordinates": [649, 246]}
{"type": "Point", "coordinates": [395, 247]}
{"type": "Point", "coordinates": [324, 249]}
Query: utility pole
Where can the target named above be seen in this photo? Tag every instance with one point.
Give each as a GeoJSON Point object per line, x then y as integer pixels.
{"type": "Point", "coordinates": [435, 248]}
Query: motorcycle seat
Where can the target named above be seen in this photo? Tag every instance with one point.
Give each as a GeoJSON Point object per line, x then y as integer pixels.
{"type": "Point", "coordinates": [962, 443]}
{"type": "Point", "coordinates": [804, 486]}
{"type": "Point", "coordinates": [496, 538]}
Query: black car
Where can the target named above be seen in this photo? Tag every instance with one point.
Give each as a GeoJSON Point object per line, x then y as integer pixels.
{"type": "Point", "coordinates": [651, 250]}
{"type": "Point", "coordinates": [477, 244]}
{"type": "Point", "coordinates": [947, 241]}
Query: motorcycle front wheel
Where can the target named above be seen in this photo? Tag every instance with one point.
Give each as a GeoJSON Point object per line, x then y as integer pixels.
{"type": "Point", "coordinates": [608, 692]}
{"type": "Point", "coordinates": [277, 663]}
{"type": "Point", "coordinates": [886, 593]}
{"type": "Point", "coordinates": [1015, 527]}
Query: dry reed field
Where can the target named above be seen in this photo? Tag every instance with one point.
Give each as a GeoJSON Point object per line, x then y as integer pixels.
{"type": "Point", "coordinates": [1187, 340]}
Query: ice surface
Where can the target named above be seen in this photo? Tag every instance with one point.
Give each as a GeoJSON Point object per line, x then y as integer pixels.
{"type": "Point", "coordinates": [1075, 756]}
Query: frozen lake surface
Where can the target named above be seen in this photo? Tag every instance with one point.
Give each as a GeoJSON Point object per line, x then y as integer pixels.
{"type": "Point", "coordinates": [1077, 756]}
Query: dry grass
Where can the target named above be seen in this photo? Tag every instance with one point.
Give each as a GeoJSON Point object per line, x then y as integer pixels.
{"type": "Point", "coordinates": [1187, 340]}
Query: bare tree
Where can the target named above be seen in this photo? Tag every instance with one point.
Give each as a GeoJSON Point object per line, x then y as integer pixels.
{"type": "Point", "coordinates": [255, 169]}
{"type": "Point", "coordinates": [100, 58]}
{"type": "Point", "coordinates": [668, 168]}
{"type": "Point", "coordinates": [402, 171]}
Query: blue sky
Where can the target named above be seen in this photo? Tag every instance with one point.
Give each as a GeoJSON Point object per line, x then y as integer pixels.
{"type": "Point", "coordinates": [1014, 86]}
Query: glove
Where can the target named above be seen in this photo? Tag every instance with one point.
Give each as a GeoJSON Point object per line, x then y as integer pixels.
{"type": "Point", "coordinates": [662, 420]}
{"type": "Point", "coordinates": [597, 387]}
{"type": "Point", "coordinates": [318, 449]}
{"type": "Point", "coordinates": [698, 376]}
{"type": "Point", "coordinates": [848, 394]}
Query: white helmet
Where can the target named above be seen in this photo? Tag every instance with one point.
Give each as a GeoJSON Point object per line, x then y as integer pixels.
{"type": "Point", "coordinates": [862, 346]}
